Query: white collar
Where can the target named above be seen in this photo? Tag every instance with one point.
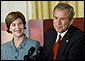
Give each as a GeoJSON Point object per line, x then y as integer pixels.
{"type": "Point", "coordinates": [62, 34]}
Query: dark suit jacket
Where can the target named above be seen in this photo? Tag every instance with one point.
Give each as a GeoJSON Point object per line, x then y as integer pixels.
{"type": "Point", "coordinates": [71, 50]}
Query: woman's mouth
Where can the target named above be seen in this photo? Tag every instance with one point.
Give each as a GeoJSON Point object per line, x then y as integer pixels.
{"type": "Point", "coordinates": [18, 31]}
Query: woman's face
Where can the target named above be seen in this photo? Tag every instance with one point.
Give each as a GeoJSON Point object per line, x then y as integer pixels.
{"type": "Point", "coordinates": [17, 28]}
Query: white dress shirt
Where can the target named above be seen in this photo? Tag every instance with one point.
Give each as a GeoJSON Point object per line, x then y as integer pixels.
{"type": "Point", "coordinates": [62, 34]}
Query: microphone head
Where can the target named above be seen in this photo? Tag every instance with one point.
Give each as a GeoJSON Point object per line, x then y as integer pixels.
{"type": "Point", "coordinates": [25, 57]}
{"type": "Point", "coordinates": [31, 51]}
{"type": "Point", "coordinates": [40, 50]}
{"type": "Point", "coordinates": [38, 53]}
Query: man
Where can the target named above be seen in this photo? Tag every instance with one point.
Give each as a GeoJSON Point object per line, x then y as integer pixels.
{"type": "Point", "coordinates": [71, 45]}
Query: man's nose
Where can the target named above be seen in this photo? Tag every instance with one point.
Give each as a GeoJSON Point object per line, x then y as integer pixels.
{"type": "Point", "coordinates": [58, 20]}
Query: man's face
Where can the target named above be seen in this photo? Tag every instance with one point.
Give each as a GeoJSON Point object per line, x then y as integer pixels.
{"type": "Point", "coordinates": [61, 20]}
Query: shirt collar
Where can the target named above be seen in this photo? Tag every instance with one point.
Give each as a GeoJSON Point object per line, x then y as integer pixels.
{"type": "Point", "coordinates": [62, 34]}
{"type": "Point", "coordinates": [23, 43]}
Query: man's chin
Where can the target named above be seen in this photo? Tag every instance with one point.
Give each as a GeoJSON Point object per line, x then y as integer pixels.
{"type": "Point", "coordinates": [60, 31]}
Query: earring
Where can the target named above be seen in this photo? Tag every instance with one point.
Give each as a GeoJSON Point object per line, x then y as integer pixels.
{"type": "Point", "coordinates": [24, 27]}
{"type": "Point", "coordinates": [9, 29]}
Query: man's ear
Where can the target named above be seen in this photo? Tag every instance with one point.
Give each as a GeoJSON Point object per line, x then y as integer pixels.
{"type": "Point", "coordinates": [71, 22]}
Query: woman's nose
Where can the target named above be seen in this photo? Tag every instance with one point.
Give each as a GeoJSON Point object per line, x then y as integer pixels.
{"type": "Point", "coordinates": [17, 26]}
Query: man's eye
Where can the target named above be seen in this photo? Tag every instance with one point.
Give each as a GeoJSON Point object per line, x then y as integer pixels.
{"type": "Point", "coordinates": [56, 17]}
{"type": "Point", "coordinates": [62, 18]}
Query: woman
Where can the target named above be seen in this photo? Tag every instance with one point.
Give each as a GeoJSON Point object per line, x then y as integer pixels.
{"type": "Point", "coordinates": [18, 47]}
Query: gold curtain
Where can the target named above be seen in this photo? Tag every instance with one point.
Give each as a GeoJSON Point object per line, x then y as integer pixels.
{"type": "Point", "coordinates": [44, 9]}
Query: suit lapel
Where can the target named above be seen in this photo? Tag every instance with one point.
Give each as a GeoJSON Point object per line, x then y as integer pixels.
{"type": "Point", "coordinates": [64, 42]}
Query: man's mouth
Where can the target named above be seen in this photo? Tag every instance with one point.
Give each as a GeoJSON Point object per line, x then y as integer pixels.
{"type": "Point", "coordinates": [59, 26]}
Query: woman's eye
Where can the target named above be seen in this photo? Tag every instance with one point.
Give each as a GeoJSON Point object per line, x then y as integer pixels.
{"type": "Point", "coordinates": [20, 23]}
{"type": "Point", "coordinates": [13, 25]}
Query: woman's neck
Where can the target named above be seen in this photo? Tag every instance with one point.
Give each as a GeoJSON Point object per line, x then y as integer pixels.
{"type": "Point", "coordinates": [18, 40]}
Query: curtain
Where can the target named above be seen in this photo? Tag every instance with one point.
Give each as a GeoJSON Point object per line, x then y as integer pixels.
{"type": "Point", "coordinates": [44, 9]}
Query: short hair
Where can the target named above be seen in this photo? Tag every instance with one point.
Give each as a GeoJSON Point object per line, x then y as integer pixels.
{"type": "Point", "coordinates": [12, 16]}
{"type": "Point", "coordinates": [62, 6]}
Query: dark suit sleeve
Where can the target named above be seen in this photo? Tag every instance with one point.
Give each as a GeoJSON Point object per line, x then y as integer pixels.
{"type": "Point", "coordinates": [47, 45]}
{"type": "Point", "coordinates": [49, 42]}
{"type": "Point", "coordinates": [76, 50]}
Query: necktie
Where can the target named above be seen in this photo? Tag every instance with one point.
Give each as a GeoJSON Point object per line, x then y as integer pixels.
{"type": "Point", "coordinates": [55, 48]}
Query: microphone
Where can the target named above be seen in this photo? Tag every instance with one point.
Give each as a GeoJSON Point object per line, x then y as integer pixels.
{"type": "Point", "coordinates": [30, 52]}
{"type": "Point", "coordinates": [38, 54]}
